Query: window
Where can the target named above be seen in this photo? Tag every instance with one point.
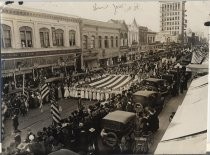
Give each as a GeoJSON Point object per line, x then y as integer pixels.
{"type": "Point", "coordinates": [59, 37]}
{"type": "Point", "coordinates": [92, 45]}
{"type": "Point", "coordinates": [6, 36]}
{"type": "Point", "coordinates": [106, 42]}
{"type": "Point", "coordinates": [112, 41]}
{"type": "Point", "coordinates": [99, 42]}
{"type": "Point", "coordinates": [44, 37]}
{"type": "Point", "coordinates": [72, 38]}
{"type": "Point", "coordinates": [85, 39]}
{"type": "Point", "coordinates": [26, 36]}
{"type": "Point", "coordinates": [116, 41]}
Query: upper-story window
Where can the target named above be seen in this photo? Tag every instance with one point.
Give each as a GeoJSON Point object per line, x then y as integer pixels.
{"type": "Point", "coordinates": [116, 41]}
{"type": "Point", "coordinates": [59, 37]}
{"type": "Point", "coordinates": [44, 37]}
{"type": "Point", "coordinates": [112, 41]}
{"type": "Point", "coordinates": [92, 45]}
{"type": "Point", "coordinates": [85, 44]}
{"type": "Point", "coordinates": [99, 42]}
{"type": "Point", "coordinates": [6, 36]}
{"type": "Point", "coordinates": [106, 44]}
{"type": "Point", "coordinates": [72, 38]}
{"type": "Point", "coordinates": [26, 36]}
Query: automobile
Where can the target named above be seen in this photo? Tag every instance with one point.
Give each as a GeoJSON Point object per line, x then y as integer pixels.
{"type": "Point", "coordinates": [155, 84]}
{"type": "Point", "coordinates": [149, 98]}
{"type": "Point", "coordinates": [170, 82]}
{"type": "Point", "coordinates": [116, 125]}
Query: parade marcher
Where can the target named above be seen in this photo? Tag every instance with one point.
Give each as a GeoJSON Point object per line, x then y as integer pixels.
{"type": "Point", "coordinates": [93, 142]}
{"type": "Point", "coordinates": [15, 123]}
{"type": "Point", "coordinates": [60, 96]}
{"type": "Point", "coordinates": [66, 91]}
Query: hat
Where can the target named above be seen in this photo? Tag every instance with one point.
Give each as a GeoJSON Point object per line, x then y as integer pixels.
{"type": "Point", "coordinates": [31, 137]}
{"type": "Point", "coordinates": [91, 129]}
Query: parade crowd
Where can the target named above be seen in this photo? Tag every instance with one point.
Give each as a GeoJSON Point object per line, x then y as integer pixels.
{"type": "Point", "coordinates": [80, 131]}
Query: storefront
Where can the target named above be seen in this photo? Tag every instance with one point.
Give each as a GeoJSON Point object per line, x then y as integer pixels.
{"type": "Point", "coordinates": [26, 62]}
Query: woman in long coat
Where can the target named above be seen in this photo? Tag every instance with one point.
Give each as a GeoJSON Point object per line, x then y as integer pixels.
{"type": "Point", "coordinates": [59, 92]}
{"type": "Point", "coordinates": [66, 91]}
{"type": "Point", "coordinates": [90, 94]}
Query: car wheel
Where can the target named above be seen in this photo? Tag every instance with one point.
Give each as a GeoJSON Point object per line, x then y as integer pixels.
{"type": "Point", "coordinates": [111, 139]}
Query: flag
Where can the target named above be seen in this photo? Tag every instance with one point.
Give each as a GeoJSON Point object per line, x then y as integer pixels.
{"type": "Point", "coordinates": [44, 89]}
{"type": "Point", "coordinates": [54, 108]}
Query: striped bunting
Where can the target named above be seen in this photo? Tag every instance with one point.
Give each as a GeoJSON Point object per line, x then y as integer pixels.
{"type": "Point", "coordinates": [44, 90]}
{"type": "Point", "coordinates": [54, 108]}
{"type": "Point", "coordinates": [55, 113]}
{"type": "Point", "coordinates": [198, 57]}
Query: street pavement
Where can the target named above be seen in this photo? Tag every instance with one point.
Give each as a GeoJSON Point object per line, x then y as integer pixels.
{"type": "Point", "coordinates": [36, 120]}
{"type": "Point", "coordinates": [170, 106]}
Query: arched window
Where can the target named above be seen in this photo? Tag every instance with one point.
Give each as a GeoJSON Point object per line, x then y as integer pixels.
{"type": "Point", "coordinates": [26, 36]}
{"type": "Point", "coordinates": [92, 45]}
{"type": "Point", "coordinates": [85, 39]}
{"type": "Point", "coordinates": [116, 41]}
{"type": "Point", "coordinates": [6, 36]}
{"type": "Point", "coordinates": [99, 42]}
{"type": "Point", "coordinates": [112, 41]}
{"type": "Point", "coordinates": [59, 37]}
{"type": "Point", "coordinates": [72, 38]}
{"type": "Point", "coordinates": [106, 44]}
{"type": "Point", "coordinates": [44, 37]}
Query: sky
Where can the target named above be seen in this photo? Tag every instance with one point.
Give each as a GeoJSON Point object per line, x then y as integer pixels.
{"type": "Point", "coordinates": [146, 13]}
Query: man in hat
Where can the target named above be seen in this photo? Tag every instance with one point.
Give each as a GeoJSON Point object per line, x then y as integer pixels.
{"type": "Point", "coordinates": [93, 142]}
{"type": "Point", "coordinates": [15, 123]}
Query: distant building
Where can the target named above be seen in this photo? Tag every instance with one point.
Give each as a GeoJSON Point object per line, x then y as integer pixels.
{"type": "Point", "coordinates": [100, 43]}
{"type": "Point", "coordinates": [150, 36]}
{"type": "Point", "coordinates": [143, 35]}
{"type": "Point", "coordinates": [172, 18]}
{"type": "Point", "coordinates": [165, 37]}
{"type": "Point", "coordinates": [133, 33]}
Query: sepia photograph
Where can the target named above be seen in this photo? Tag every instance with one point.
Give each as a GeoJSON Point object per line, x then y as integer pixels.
{"type": "Point", "coordinates": [104, 78]}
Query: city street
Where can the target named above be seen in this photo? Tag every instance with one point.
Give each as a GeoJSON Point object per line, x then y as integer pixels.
{"type": "Point", "coordinates": [35, 120]}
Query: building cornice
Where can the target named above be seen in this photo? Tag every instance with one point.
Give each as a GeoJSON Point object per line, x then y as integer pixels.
{"type": "Point", "coordinates": [27, 13]}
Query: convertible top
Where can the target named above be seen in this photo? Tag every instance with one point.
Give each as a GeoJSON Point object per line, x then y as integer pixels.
{"type": "Point", "coordinates": [145, 93]}
{"type": "Point", "coordinates": [120, 116]}
{"type": "Point", "coordinates": [153, 79]}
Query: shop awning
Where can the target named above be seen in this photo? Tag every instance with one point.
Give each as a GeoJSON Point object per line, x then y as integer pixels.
{"type": "Point", "coordinates": [186, 133]}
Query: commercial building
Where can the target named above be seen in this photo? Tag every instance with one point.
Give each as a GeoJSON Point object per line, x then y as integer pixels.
{"type": "Point", "coordinates": [143, 35]}
{"type": "Point", "coordinates": [172, 18]}
{"type": "Point", "coordinates": [37, 39]}
{"type": "Point", "coordinates": [100, 43]}
{"type": "Point", "coordinates": [150, 36]}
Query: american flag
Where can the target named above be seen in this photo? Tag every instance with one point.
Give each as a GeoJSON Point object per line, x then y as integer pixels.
{"type": "Point", "coordinates": [44, 88]}
{"type": "Point", "coordinates": [54, 108]}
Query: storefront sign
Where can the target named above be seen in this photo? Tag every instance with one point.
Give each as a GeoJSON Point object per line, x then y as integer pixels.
{"type": "Point", "coordinates": [37, 53]}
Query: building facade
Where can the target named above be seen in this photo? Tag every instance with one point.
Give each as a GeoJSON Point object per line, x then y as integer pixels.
{"type": "Point", "coordinates": [143, 35]}
{"type": "Point", "coordinates": [100, 43]}
{"type": "Point", "coordinates": [123, 38]}
{"type": "Point", "coordinates": [150, 36]}
{"type": "Point", "coordinates": [34, 39]}
{"type": "Point", "coordinates": [172, 18]}
{"type": "Point", "coordinates": [133, 33]}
